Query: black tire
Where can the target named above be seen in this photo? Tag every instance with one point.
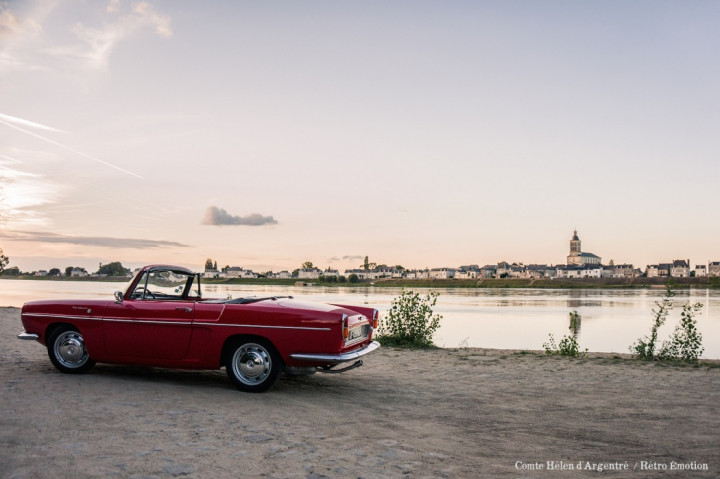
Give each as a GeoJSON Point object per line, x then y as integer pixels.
{"type": "Point", "coordinates": [253, 364]}
{"type": "Point", "coordinates": [67, 351]}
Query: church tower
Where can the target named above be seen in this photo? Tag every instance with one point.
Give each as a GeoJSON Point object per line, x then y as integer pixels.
{"type": "Point", "coordinates": [576, 255]}
{"type": "Point", "coordinates": [575, 244]}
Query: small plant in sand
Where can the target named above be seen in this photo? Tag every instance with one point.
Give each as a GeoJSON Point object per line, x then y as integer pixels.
{"type": "Point", "coordinates": [568, 345]}
{"type": "Point", "coordinates": [410, 322]}
{"type": "Point", "coordinates": [644, 348]}
{"type": "Point", "coordinates": [685, 344]}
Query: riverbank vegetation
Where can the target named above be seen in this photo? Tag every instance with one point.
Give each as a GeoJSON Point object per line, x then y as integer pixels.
{"type": "Point", "coordinates": [685, 344]}
{"type": "Point", "coordinates": [568, 345]}
{"type": "Point", "coordinates": [410, 321]}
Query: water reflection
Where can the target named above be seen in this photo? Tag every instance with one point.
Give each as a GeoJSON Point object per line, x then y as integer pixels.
{"type": "Point", "coordinates": [575, 320]}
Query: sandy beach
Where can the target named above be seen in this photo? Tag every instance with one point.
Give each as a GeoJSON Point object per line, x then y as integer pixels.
{"type": "Point", "coordinates": [434, 413]}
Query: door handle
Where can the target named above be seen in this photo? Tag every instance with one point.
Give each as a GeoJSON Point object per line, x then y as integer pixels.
{"type": "Point", "coordinates": [187, 310]}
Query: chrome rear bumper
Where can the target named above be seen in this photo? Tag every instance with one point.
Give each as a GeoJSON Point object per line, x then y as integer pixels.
{"type": "Point", "coordinates": [28, 336]}
{"type": "Point", "coordinates": [337, 358]}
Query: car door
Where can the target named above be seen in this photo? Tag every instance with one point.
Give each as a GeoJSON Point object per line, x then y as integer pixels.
{"type": "Point", "coordinates": [153, 322]}
{"type": "Point", "coordinates": [149, 329]}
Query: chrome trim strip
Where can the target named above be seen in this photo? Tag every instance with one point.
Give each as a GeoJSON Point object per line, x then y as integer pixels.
{"type": "Point", "coordinates": [198, 323]}
{"type": "Point", "coordinates": [99, 318]}
{"type": "Point", "coordinates": [27, 336]}
{"type": "Point", "coordinates": [63, 316]}
{"type": "Point", "coordinates": [337, 358]}
{"type": "Point", "coordinates": [179, 323]}
{"type": "Point", "coordinates": [146, 321]}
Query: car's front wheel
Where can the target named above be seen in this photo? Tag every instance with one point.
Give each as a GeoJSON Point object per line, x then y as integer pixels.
{"type": "Point", "coordinates": [67, 351]}
{"type": "Point", "coordinates": [253, 365]}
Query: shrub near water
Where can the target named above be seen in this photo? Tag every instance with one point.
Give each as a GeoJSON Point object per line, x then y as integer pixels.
{"type": "Point", "coordinates": [685, 344]}
{"type": "Point", "coordinates": [569, 345]}
{"type": "Point", "coordinates": [644, 348]}
{"type": "Point", "coordinates": [410, 322]}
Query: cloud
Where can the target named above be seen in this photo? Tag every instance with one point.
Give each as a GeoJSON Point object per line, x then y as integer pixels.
{"type": "Point", "coordinates": [22, 192]}
{"type": "Point", "coordinates": [92, 41]}
{"type": "Point", "coordinates": [98, 43]}
{"type": "Point", "coordinates": [219, 217]}
{"type": "Point", "coordinates": [11, 27]}
{"type": "Point", "coordinates": [9, 24]}
{"type": "Point", "coordinates": [15, 37]}
{"type": "Point", "coordinates": [101, 241]}
{"type": "Point", "coordinates": [113, 6]}
{"type": "Point", "coordinates": [346, 258]}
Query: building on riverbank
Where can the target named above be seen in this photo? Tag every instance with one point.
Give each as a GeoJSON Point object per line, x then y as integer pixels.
{"type": "Point", "coordinates": [238, 272]}
{"type": "Point", "coordinates": [577, 257]}
{"type": "Point", "coordinates": [680, 268]}
{"type": "Point", "coordinates": [714, 269]}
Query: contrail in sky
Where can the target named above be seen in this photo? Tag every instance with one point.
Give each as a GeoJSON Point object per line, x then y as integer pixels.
{"type": "Point", "coordinates": [13, 160]}
{"type": "Point", "coordinates": [77, 152]}
{"type": "Point", "coordinates": [20, 121]}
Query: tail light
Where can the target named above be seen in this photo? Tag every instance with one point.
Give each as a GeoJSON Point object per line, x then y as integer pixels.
{"type": "Point", "coordinates": [375, 320]}
{"type": "Point", "coordinates": [345, 327]}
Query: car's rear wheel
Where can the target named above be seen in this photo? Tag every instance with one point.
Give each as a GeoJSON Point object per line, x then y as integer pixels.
{"type": "Point", "coordinates": [253, 365]}
{"type": "Point", "coordinates": [67, 351]}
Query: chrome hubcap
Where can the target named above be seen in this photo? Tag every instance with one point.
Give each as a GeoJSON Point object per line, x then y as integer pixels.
{"type": "Point", "coordinates": [251, 364]}
{"type": "Point", "coordinates": [70, 350]}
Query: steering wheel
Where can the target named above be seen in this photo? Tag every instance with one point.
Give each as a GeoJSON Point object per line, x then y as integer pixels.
{"type": "Point", "coordinates": [140, 289]}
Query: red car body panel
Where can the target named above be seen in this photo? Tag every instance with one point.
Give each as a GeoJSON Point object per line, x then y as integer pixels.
{"type": "Point", "coordinates": [191, 333]}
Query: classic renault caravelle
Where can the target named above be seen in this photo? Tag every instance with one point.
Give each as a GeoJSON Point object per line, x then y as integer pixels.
{"type": "Point", "coordinates": [162, 320]}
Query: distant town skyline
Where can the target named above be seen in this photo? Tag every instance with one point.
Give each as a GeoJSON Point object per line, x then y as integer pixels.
{"type": "Point", "coordinates": [422, 134]}
{"type": "Point", "coordinates": [582, 261]}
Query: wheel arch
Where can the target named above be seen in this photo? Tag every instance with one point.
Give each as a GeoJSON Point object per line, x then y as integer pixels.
{"type": "Point", "coordinates": [237, 339]}
{"type": "Point", "coordinates": [50, 329]}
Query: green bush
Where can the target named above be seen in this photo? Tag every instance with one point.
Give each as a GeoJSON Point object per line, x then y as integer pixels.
{"type": "Point", "coordinates": [410, 322]}
{"type": "Point", "coordinates": [569, 345]}
{"type": "Point", "coordinates": [685, 344]}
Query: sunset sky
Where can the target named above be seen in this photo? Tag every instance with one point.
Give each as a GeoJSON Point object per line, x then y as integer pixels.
{"type": "Point", "coordinates": [421, 133]}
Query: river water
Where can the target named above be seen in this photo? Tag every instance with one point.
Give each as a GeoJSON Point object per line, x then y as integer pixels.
{"type": "Point", "coordinates": [611, 320]}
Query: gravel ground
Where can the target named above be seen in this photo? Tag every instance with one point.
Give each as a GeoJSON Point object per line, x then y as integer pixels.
{"type": "Point", "coordinates": [435, 413]}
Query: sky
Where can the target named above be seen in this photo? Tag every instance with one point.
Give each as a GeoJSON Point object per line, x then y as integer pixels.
{"type": "Point", "coordinates": [420, 133]}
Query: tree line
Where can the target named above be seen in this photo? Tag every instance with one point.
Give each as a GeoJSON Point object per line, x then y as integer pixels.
{"type": "Point", "coordinates": [111, 269]}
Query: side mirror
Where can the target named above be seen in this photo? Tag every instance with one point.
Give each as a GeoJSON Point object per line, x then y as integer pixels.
{"type": "Point", "coordinates": [118, 297]}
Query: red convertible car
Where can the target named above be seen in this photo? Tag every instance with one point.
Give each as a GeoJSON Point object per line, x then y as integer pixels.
{"type": "Point", "coordinates": [162, 320]}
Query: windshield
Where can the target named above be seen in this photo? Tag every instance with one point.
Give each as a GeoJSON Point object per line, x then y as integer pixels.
{"type": "Point", "coordinates": [129, 284]}
{"type": "Point", "coordinates": [166, 284]}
